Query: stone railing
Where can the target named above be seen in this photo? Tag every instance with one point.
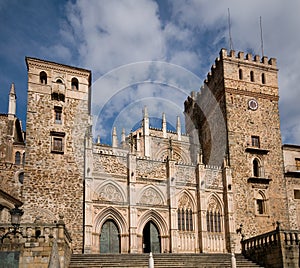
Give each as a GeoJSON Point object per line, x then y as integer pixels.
{"type": "Point", "coordinates": [278, 248]}
{"type": "Point", "coordinates": [36, 244]}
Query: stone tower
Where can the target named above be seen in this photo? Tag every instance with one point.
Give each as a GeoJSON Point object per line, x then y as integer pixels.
{"type": "Point", "coordinates": [58, 119]}
{"type": "Point", "coordinates": [247, 136]}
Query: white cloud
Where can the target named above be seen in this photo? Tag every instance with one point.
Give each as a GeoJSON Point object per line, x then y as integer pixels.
{"type": "Point", "coordinates": [108, 34]}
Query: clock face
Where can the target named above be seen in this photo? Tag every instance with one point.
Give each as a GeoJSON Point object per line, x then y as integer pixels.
{"type": "Point", "coordinates": [252, 104]}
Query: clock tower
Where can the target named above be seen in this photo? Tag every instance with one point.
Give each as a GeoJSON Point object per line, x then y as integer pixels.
{"type": "Point", "coordinates": [245, 90]}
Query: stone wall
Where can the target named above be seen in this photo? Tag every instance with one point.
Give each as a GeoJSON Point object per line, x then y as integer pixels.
{"type": "Point", "coordinates": [54, 173]}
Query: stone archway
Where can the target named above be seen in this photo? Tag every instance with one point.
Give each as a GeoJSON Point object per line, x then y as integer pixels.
{"type": "Point", "coordinates": [151, 238]}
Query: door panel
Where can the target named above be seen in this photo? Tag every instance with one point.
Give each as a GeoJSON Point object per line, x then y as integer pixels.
{"type": "Point", "coordinates": [109, 238]}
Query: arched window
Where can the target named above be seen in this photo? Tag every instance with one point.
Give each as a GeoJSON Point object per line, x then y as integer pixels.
{"type": "Point", "coordinates": [23, 159]}
{"type": "Point", "coordinates": [260, 204]}
{"type": "Point", "coordinates": [240, 74]}
{"type": "Point", "coordinates": [21, 177]}
{"type": "Point", "coordinates": [263, 78]}
{"type": "Point", "coordinates": [214, 217]}
{"type": "Point", "coordinates": [17, 158]}
{"type": "Point", "coordinates": [185, 214]}
{"type": "Point", "coordinates": [252, 76]}
{"type": "Point", "coordinates": [256, 167]}
{"type": "Point", "coordinates": [74, 83]}
{"type": "Point", "coordinates": [43, 78]}
{"type": "Point", "coordinates": [59, 81]}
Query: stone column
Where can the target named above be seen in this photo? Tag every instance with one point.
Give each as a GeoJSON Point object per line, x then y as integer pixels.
{"type": "Point", "coordinates": [171, 170]}
{"type": "Point", "coordinates": [133, 240]}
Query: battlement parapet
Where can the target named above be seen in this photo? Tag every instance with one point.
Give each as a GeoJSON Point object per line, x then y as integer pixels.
{"type": "Point", "coordinates": [249, 58]}
{"type": "Point", "coordinates": [255, 61]}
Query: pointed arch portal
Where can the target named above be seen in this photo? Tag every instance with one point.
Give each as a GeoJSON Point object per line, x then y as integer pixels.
{"type": "Point", "coordinates": [109, 238]}
{"type": "Point", "coordinates": [151, 238]}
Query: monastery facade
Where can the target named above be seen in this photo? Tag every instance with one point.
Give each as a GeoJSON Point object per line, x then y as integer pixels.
{"type": "Point", "coordinates": [229, 177]}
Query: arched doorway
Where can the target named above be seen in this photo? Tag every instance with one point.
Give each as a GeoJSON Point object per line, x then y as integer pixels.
{"type": "Point", "coordinates": [109, 238]}
{"type": "Point", "coordinates": [151, 238]}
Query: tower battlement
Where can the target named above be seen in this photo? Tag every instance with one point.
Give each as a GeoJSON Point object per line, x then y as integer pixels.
{"type": "Point", "coordinates": [243, 67]}
{"type": "Point", "coordinates": [240, 57]}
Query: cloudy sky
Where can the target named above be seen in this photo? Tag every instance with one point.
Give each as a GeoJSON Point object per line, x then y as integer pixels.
{"type": "Point", "coordinates": [147, 52]}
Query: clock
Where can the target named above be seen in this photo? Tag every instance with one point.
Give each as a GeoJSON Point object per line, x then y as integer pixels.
{"type": "Point", "coordinates": [252, 104]}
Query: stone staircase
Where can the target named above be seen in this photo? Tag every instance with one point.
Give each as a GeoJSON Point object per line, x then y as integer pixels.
{"type": "Point", "coordinates": [160, 261]}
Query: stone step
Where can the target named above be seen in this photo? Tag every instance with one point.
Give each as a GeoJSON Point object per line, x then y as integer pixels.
{"type": "Point", "coordinates": [160, 261]}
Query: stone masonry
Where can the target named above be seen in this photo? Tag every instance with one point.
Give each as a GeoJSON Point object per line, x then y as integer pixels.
{"type": "Point", "coordinates": [54, 167]}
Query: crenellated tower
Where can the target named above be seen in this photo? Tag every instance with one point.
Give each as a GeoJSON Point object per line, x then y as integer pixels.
{"type": "Point", "coordinates": [58, 120]}
{"type": "Point", "coordinates": [244, 90]}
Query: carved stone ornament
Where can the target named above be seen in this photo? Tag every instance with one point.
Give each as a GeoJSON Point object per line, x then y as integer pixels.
{"type": "Point", "coordinates": [110, 192]}
{"type": "Point", "coordinates": [185, 202]}
{"type": "Point", "coordinates": [150, 196]}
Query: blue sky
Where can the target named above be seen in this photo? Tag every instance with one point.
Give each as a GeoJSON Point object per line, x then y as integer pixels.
{"type": "Point", "coordinates": [161, 50]}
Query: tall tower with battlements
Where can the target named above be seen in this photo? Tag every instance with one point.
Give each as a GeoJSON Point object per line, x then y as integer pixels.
{"type": "Point", "coordinates": [58, 120]}
{"type": "Point", "coordinates": [244, 89]}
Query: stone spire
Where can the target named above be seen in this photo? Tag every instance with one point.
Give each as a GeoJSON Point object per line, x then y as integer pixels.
{"type": "Point", "coordinates": [123, 136]}
{"type": "Point", "coordinates": [178, 128]}
{"type": "Point", "coordinates": [164, 125]}
{"type": "Point", "coordinates": [98, 139]}
{"type": "Point", "coordinates": [12, 101]}
{"type": "Point", "coordinates": [114, 138]}
{"type": "Point", "coordinates": [146, 133]}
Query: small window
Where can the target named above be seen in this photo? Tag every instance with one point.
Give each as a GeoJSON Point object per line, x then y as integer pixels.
{"type": "Point", "coordinates": [297, 160]}
{"type": "Point", "coordinates": [296, 194]}
{"type": "Point", "coordinates": [59, 81]}
{"type": "Point", "coordinates": [260, 206]}
{"type": "Point", "coordinates": [58, 114]}
{"type": "Point", "coordinates": [74, 83]}
{"type": "Point", "coordinates": [23, 159]}
{"type": "Point", "coordinates": [252, 76]}
{"type": "Point", "coordinates": [57, 142]}
{"type": "Point", "coordinates": [240, 74]}
{"type": "Point", "coordinates": [256, 172]}
{"type": "Point", "coordinates": [43, 78]}
{"type": "Point", "coordinates": [58, 96]}
{"type": "Point", "coordinates": [255, 141]}
{"type": "Point", "coordinates": [263, 78]}
{"type": "Point", "coordinates": [21, 177]}
{"type": "Point", "coordinates": [17, 158]}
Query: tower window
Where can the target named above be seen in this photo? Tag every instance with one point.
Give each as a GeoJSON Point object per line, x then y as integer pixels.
{"type": "Point", "coordinates": [252, 76]}
{"type": "Point", "coordinates": [296, 194]}
{"type": "Point", "coordinates": [58, 114]}
{"type": "Point", "coordinates": [297, 160]}
{"type": "Point", "coordinates": [57, 142]}
{"type": "Point", "coordinates": [255, 141]}
{"type": "Point", "coordinates": [263, 78]}
{"type": "Point", "coordinates": [256, 172]}
{"type": "Point", "coordinates": [21, 177]}
{"type": "Point", "coordinates": [43, 78]}
{"type": "Point", "coordinates": [260, 204]}
{"type": "Point", "coordinates": [17, 158]}
{"type": "Point", "coordinates": [240, 74]}
{"type": "Point", "coordinates": [74, 83]}
{"type": "Point", "coordinates": [58, 96]}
